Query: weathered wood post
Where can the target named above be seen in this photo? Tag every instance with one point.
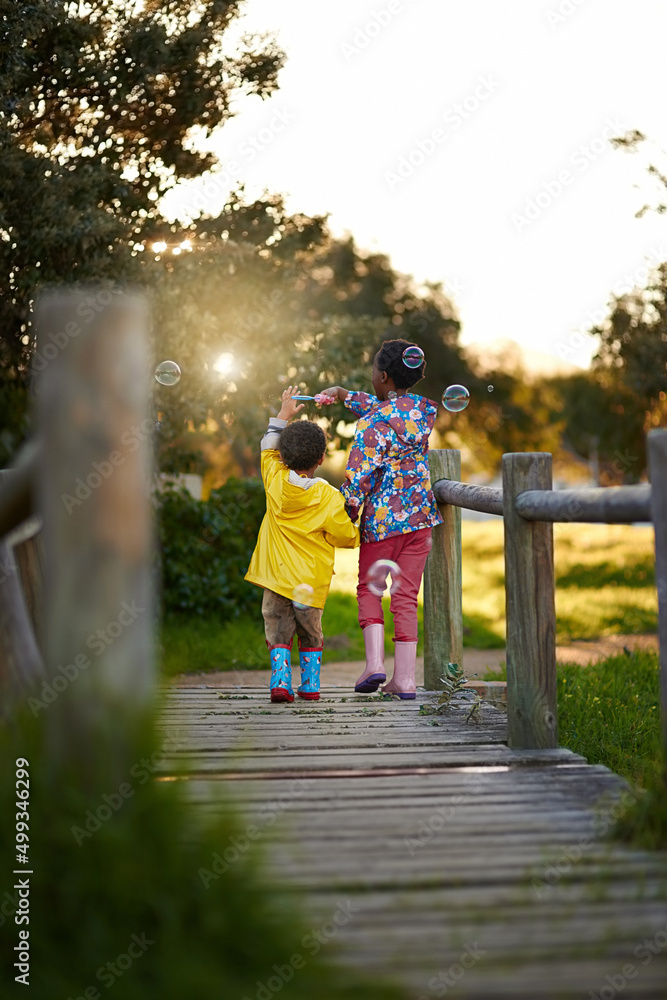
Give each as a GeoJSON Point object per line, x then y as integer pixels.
{"type": "Point", "coordinates": [94, 489]}
{"type": "Point", "coordinates": [443, 622]}
{"type": "Point", "coordinates": [532, 714]}
{"type": "Point", "coordinates": [657, 456]}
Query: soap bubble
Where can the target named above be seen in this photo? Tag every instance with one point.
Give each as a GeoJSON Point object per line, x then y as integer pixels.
{"type": "Point", "coordinates": [376, 578]}
{"type": "Point", "coordinates": [489, 388]}
{"type": "Point", "coordinates": [455, 398]}
{"type": "Point", "coordinates": [413, 357]}
{"type": "Point", "coordinates": [302, 596]}
{"type": "Point", "coordinates": [168, 373]}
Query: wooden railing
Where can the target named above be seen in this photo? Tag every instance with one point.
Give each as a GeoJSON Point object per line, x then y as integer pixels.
{"type": "Point", "coordinates": [21, 574]}
{"type": "Point", "coordinates": [529, 506]}
{"type": "Point", "coordinates": [86, 641]}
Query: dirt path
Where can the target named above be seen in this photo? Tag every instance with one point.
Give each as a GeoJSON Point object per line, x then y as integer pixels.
{"type": "Point", "coordinates": [476, 662]}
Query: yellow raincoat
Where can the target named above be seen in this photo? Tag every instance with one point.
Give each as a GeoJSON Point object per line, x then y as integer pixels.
{"type": "Point", "coordinates": [305, 520]}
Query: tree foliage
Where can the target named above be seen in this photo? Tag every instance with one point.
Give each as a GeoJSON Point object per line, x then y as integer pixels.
{"type": "Point", "coordinates": [630, 366]}
{"type": "Point", "coordinates": [633, 340]}
{"type": "Point", "coordinates": [102, 104]}
{"type": "Point", "coordinates": [602, 424]}
{"type": "Point", "coordinates": [99, 102]}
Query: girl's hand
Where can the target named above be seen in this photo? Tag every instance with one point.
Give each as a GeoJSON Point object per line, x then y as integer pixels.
{"type": "Point", "coordinates": [290, 407]}
{"type": "Point", "coordinates": [325, 398]}
{"type": "Point", "coordinates": [335, 392]}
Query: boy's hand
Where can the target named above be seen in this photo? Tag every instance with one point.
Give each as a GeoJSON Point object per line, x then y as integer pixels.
{"type": "Point", "coordinates": [290, 406]}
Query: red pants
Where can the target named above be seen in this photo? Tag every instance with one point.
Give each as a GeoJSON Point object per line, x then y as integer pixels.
{"type": "Point", "coordinates": [409, 551]}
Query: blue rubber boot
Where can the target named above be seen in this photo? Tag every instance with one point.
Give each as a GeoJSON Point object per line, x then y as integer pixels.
{"type": "Point", "coordinates": [310, 659]}
{"type": "Point", "coordinates": [281, 673]}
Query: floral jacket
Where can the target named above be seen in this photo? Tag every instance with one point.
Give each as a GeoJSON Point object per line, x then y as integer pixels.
{"type": "Point", "coordinates": [387, 470]}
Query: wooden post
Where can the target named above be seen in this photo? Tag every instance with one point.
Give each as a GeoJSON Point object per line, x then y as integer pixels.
{"type": "Point", "coordinates": [94, 495]}
{"type": "Point", "coordinates": [443, 622]}
{"type": "Point", "coordinates": [532, 714]}
{"type": "Point", "coordinates": [657, 456]}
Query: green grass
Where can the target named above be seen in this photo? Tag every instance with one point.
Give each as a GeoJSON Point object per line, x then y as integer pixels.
{"type": "Point", "coordinates": [605, 579]}
{"type": "Point", "coordinates": [605, 584]}
{"type": "Point", "coordinates": [609, 712]}
{"type": "Point", "coordinates": [192, 646]}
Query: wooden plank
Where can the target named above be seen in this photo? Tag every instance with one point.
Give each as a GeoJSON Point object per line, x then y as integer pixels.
{"type": "Point", "coordinates": [425, 904]}
{"type": "Point", "coordinates": [657, 455]}
{"type": "Point", "coordinates": [531, 614]}
{"type": "Point", "coordinates": [325, 760]}
{"type": "Point", "coordinates": [94, 485]}
{"type": "Point", "coordinates": [443, 622]}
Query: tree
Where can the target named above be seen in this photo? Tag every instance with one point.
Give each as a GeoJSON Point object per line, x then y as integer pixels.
{"type": "Point", "coordinates": [99, 103]}
{"type": "Point", "coordinates": [609, 412]}
{"type": "Point", "coordinates": [103, 104]}
{"type": "Point", "coordinates": [602, 424]}
{"type": "Point", "coordinates": [633, 339]}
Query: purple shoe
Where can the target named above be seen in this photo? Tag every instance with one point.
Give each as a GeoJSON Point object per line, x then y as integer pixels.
{"type": "Point", "coordinates": [370, 683]}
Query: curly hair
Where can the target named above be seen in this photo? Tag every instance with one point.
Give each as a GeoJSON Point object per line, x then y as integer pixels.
{"type": "Point", "coordinates": [390, 360]}
{"type": "Point", "coordinates": [302, 445]}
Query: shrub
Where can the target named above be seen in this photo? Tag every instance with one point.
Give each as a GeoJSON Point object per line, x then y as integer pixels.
{"type": "Point", "coordinates": [206, 546]}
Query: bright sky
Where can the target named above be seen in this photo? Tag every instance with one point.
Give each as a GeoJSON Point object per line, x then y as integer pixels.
{"type": "Point", "coordinates": [512, 102]}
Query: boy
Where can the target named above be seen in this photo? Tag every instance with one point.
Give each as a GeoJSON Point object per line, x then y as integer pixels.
{"type": "Point", "coordinates": [305, 520]}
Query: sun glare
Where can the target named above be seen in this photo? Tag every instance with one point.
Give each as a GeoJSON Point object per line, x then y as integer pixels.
{"type": "Point", "coordinates": [224, 364]}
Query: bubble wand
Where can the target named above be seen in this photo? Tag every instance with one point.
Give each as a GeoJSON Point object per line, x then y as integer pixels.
{"type": "Point", "coordinates": [319, 398]}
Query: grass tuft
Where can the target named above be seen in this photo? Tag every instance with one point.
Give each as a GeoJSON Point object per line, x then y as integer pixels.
{"type": "Point", "coordinates": [609, 712]}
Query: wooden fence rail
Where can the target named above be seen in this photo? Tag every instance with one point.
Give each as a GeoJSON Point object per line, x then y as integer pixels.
{"type": "Point", "coordinates": [529, 508]}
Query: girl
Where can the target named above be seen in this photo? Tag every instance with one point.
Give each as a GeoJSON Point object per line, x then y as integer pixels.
{"type": "Point", "coordinates": [387, 472]}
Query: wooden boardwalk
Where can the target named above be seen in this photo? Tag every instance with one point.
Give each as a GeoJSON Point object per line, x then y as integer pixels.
{"type": "Point", "coordinates": [466, 869]}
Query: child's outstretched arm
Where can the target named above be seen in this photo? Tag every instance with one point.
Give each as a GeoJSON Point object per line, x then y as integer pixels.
{"type": "Point", "coordinates": [336, 392]}
{"type": "Point", "coordinates": [359, 402]}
